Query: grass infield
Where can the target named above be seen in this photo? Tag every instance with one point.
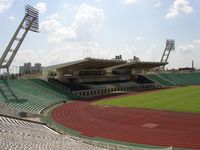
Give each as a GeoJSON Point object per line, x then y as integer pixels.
{"type": "Point", "coordinates": [181, 99]}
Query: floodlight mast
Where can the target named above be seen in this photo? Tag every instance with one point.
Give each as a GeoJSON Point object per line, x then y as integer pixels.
{"type": "Point", "coordinates": [170, 46]}
{"type": "Point", "coordinates": [29, 22]}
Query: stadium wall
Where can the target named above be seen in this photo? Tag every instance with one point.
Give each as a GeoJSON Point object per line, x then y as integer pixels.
{"type": "Point", "coordinates": [103, 91]}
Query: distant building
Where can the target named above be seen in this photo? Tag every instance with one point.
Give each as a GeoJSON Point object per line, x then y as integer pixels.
{"type": "Point", "coordinates": [28, 69]}
{"type": "Point", "coordinates": [187, 69]}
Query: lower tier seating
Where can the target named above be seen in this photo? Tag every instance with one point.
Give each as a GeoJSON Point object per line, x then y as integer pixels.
{"type": "Point", "coordinates": [24, 135]}
{"type": "Point", "coordinates": [28, 96]}
{"type": "Point", "coordinates": [173, 79]}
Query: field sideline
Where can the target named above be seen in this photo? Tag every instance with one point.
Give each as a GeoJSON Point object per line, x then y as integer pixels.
{"type": "Point", "coordinates": [181, 99]}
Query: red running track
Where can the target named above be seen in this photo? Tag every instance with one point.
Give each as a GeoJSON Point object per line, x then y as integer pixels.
{"type": "Point", "coordinates": [149, 127]}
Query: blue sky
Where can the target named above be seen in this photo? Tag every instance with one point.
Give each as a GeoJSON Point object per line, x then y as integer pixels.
{"type": "Point", "coordinates": [71, 30]}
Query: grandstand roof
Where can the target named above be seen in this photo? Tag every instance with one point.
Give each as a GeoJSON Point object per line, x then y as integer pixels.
{"type": "Point", "coordinates": [137, 65]}
{"type": "Point", "coordinates": [87, 63]}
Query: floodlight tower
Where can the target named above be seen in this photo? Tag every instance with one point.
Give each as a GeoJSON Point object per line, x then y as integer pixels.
{"type": "Point", "coordinates": [170, 46]}
{"type": "Point", "coordinates": [29, 22]}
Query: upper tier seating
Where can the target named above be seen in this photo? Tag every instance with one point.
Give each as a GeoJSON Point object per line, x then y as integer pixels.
{"type": "Point", "coordinates": [70, 86]}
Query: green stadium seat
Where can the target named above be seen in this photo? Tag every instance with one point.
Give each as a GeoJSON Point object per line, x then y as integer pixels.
{"type": "Point", "coordinates": [172, 79]}
{"type": "Point", "coordinates": [159, 79]}
{"type": "Point", "coordinates": [31, 95]}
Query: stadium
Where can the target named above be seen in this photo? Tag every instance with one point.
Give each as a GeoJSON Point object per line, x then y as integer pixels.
{"type": "Point", "coordinates": [97, 104]}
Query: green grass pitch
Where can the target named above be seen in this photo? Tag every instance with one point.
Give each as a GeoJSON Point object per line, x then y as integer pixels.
{"type": "Point", "coordinates": [181, 99]}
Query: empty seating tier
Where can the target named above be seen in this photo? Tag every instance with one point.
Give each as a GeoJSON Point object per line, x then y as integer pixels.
{"type": "Point", "coordinates": [19, 135]}
{"type": "Point", "coordinates": [160, 79]}
{"type": "Point", "coordinates": [173, 79]}
{"type": "Point", "coordinates": [70, 86]}
{"type": "Point", "coordinates": [29, 96]}
{"type": "Point", "coordinates": [49, 86]}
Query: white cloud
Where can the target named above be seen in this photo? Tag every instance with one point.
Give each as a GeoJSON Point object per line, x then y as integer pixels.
{"type": "Point", "coordinates": [72, 39]}
{"type": "Point", "coordinates": [151, 53]}
{"type": "Point", "coordinates": [97, 1]}
{"type": "Point", "coordinates": [65, 5]}
{"type": "Point", "coordinates": [5, 4]}
{"type": "Point", "coordinates": [42, 7]}
{"type": "Point", "coordinates": [50, 26]}
{"type": "Point", "coordinates": [88, 19]}
{"type": "Point", "coordinates": [66, 53]}
{"type": "Point", "coordinates": [184, 54]}
{"type": "Point", "coordinates": [128, 52]}
{"type": "Point", "coordinates": [71, 52]}
{"type": "Point", "coordinates": [158, 3]}
{"type": "Point", "coordinates": [68, 7]}
{"type": "Point", "coordinates": [12, 18]}
{"type": "Point", "coordinates": [178, 7]}
{"type": "Point", "coordinates": [130, 1]}
{"type": "Point", "coordinates": [139, 38]}
{"type": "Point", "coordinates": [189, 48]}
{"type": "Point", "coordinates": [55, 16]}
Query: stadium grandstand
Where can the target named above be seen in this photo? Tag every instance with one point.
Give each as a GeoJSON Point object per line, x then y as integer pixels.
{"type": "Point", "coordinates": [18, 134]}
{"type": "Point", "coordinates": [175, 78]}
{"type": "Point", "coordinates": [90, 78]}
{"type": "Point", "coordinates": [80, 79]}
{"type": "Point", "coordinates": [30, 95]}
{"type": "Point", "coordinates": [58, 110]}
{"type": "Point", "coordinates": [94, 77]}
